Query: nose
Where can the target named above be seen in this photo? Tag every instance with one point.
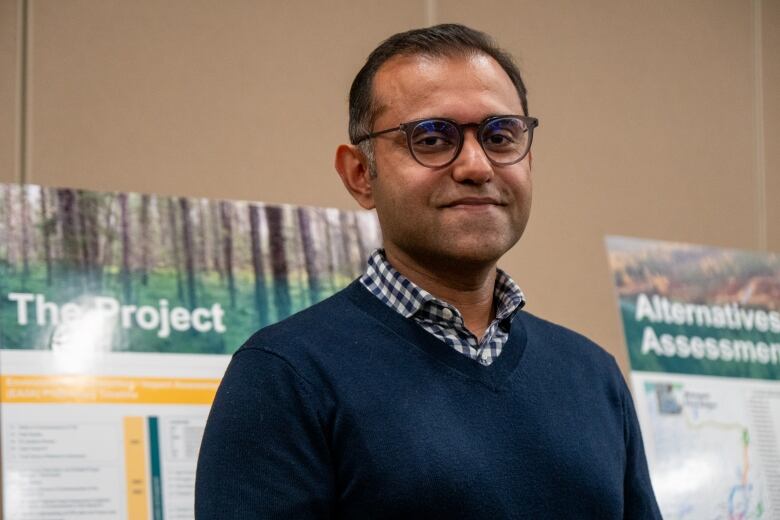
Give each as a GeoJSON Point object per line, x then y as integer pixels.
{"type": "Point", "coordinates": [472, 165]}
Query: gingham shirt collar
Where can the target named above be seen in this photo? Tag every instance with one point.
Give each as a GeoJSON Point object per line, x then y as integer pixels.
{"type": "Point", "coordinates": [438, 317]}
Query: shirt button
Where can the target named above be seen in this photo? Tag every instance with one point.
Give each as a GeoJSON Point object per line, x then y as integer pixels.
{"type": "Point", "coordinates": [484, 358]}
{"type": "Point", "coordinates": [446, 314]}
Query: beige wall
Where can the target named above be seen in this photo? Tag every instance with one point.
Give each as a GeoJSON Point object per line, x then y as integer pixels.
{"type": "Point", "coordinates": [770, 86]}
{"type": "Point", "coordinates": [650, 114]}
{"type": "Point", "coordinates": [10, 54]}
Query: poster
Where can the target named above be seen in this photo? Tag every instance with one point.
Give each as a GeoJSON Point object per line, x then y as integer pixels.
{"type": "Point", "coordinates": [702, 327]}
{"type": "Point", "coordinates": [118, 315]}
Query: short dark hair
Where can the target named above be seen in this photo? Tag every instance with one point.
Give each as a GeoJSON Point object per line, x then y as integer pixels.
{"type": "Point", "coordinates": [439, 40]}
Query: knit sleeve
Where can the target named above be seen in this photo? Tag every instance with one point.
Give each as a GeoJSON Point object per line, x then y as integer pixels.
{"type": "Point", "coordinates": [264, 453]}
{"type": "Point", "coordinates": [639, 499]}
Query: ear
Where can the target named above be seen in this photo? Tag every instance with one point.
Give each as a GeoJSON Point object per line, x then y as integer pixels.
{"type": "Point", "coordinates": [353, 170]}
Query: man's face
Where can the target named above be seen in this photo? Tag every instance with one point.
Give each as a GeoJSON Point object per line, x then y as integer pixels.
{"type": "Point", "coordinates": [469, 211]}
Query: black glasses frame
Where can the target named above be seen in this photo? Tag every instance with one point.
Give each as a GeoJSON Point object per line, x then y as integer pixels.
{"type": "Point", "coordinates": [408, 129]}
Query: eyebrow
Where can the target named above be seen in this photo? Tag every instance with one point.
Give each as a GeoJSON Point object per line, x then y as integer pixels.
{"type": "Point", "coordinates": [458, 121]}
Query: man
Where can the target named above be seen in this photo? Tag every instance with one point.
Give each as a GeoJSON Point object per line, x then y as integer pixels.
{"type": "Point", "coordinates": [422, 390]}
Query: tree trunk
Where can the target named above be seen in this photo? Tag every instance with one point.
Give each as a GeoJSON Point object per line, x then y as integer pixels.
{"type": "Point", "coordinates": [309, 253]}
{"type": "Point", "coordinates": [361, 243]}
{"type": "Point", "coordinates": [24, 208]}
{"type": "Point", "coordinates": [10, 239]}
{"type": "Point", "coordinates": [46, 226]}
{"type": "Point", "coordinates": [88, 209]}
{"type": "Point", "coordinates": [83, 232]}
{"type": "Point", "coordinates": [226, 212]}
{"type": "Point", "coordinates": [68, 220]}
{"type": "Point", "coordinates": [278, 261]}
{"type": "Point", "coordinates": [346, 244]}
{"type": "Point", "coordinates": [145, 239]}
{"type": "Point", "coordinates": [330, 248]}
{"type": "Point", "coordinates": [203, 237]}
{"type": "Point", "coordinates": [216, 239]}
{"type": "Point", "coordinates": [261, 296]}
{"type": "Point", "coordinates": [107, 255]}
{"type": "Point", "coordinates": [175, 247]}
{"type": "Point", "coordinates": [125, 227]}
{"type": "Point", "coordinates": [189, 251]}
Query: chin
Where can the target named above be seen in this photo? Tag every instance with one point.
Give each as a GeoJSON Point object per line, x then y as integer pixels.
{"type": "Point", "coordinates": [481, 241]}
{"type": "Point", "coordinates": [476, 247]}
{"type": "Point", "coordinates": [479, 252]}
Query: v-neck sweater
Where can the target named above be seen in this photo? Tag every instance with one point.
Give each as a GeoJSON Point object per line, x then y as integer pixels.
{"type": "Point", "coordinates": [348, 410]}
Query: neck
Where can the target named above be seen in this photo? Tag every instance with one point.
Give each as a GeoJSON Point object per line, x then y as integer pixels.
{"type": "Point", "coordinates": [469, 288]}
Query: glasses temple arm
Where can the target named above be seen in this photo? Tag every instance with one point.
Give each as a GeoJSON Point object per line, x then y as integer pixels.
{"type": "Point", "coordinates": [374, 134]}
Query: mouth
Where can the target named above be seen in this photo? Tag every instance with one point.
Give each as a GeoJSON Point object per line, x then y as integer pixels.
{"type": "Point", "coordinates": [473, 203]}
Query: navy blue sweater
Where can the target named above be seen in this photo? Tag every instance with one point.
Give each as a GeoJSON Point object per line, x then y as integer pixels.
{"type": "Point", "coordinates": [347, 410]}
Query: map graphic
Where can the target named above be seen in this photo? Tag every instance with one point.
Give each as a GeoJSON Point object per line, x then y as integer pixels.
{"type": "Point", "coordinates": [705, 442]}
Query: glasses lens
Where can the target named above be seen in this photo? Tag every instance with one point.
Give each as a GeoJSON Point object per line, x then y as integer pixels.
{"type": "Point", "coordinates": [434, 142]}
{"type": "Point", "coordinates": [505, 140]}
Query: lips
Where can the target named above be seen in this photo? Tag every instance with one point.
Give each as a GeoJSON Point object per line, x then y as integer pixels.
{"type": "Point", "coordinates": [473, 201]}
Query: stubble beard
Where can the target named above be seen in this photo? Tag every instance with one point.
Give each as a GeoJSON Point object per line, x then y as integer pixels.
{"type": "Point", "coordinates": [452, 250]}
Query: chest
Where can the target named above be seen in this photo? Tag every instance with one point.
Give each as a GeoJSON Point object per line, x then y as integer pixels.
{"type": "Point", "coordinates": [407, 445]}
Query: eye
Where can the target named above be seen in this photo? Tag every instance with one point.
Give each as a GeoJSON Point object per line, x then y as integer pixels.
{"type": "Point", "coordinates": [434, 137]}
{"type": "Point", "coordinates": [432, 141]}
{"type": "Point", "coordinates": [497, 140]}
{"type": "Point", "coordinates": [504, 135]}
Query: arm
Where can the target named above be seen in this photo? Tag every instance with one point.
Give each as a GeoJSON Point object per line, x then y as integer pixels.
{"type": "Point", "coordinates": [639, 499]}
{"type": "Point", "coordinates": [264, 453]}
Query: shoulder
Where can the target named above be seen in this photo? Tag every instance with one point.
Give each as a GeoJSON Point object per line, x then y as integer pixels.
{"type": "Point", "coordinates": [567, 350]}
{"type": "Point", "coordinates": [561, 336]}
{"type": "Point", "coordinates": [317, 335]}
{"type": "Point", "coordinates": [324, 318]}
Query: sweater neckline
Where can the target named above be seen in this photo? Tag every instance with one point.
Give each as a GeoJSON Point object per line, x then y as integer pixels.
{"type": "Point", "coordinates": [493, 376]}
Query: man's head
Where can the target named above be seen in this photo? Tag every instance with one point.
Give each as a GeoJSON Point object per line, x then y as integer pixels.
{"type": "Point", "coordinates": [445, 40]}
{"type": "Point", "coordinates": [469, 211]}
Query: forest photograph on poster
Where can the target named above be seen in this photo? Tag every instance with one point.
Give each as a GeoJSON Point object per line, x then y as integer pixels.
{"type": "Point", "coordinates": [138, 272]}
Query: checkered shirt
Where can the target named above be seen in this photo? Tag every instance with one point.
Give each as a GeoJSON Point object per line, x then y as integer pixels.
{"type": "Point", "coordinates": [440, 318]}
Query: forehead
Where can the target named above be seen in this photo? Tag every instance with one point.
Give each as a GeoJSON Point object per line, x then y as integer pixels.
{"type": "Point", "coordinates": [465, 88]}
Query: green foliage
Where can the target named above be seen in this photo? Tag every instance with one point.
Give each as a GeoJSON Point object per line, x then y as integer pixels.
{"type": "Point", "coordinates": [69, 245]}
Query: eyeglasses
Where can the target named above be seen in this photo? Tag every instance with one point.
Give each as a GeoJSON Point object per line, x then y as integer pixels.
{"type": "Point", "coordinates": [437, 142]}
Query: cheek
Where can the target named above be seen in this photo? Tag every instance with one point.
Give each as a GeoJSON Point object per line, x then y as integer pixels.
{"type": "Point", "coordinates": [527, 190]}
{"type": "Point", "coordinates": [389, 199]}
{"type": "Point", "coordinates": [403, 187]}
{"type": "Point", "coordinates": [520, 184]}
